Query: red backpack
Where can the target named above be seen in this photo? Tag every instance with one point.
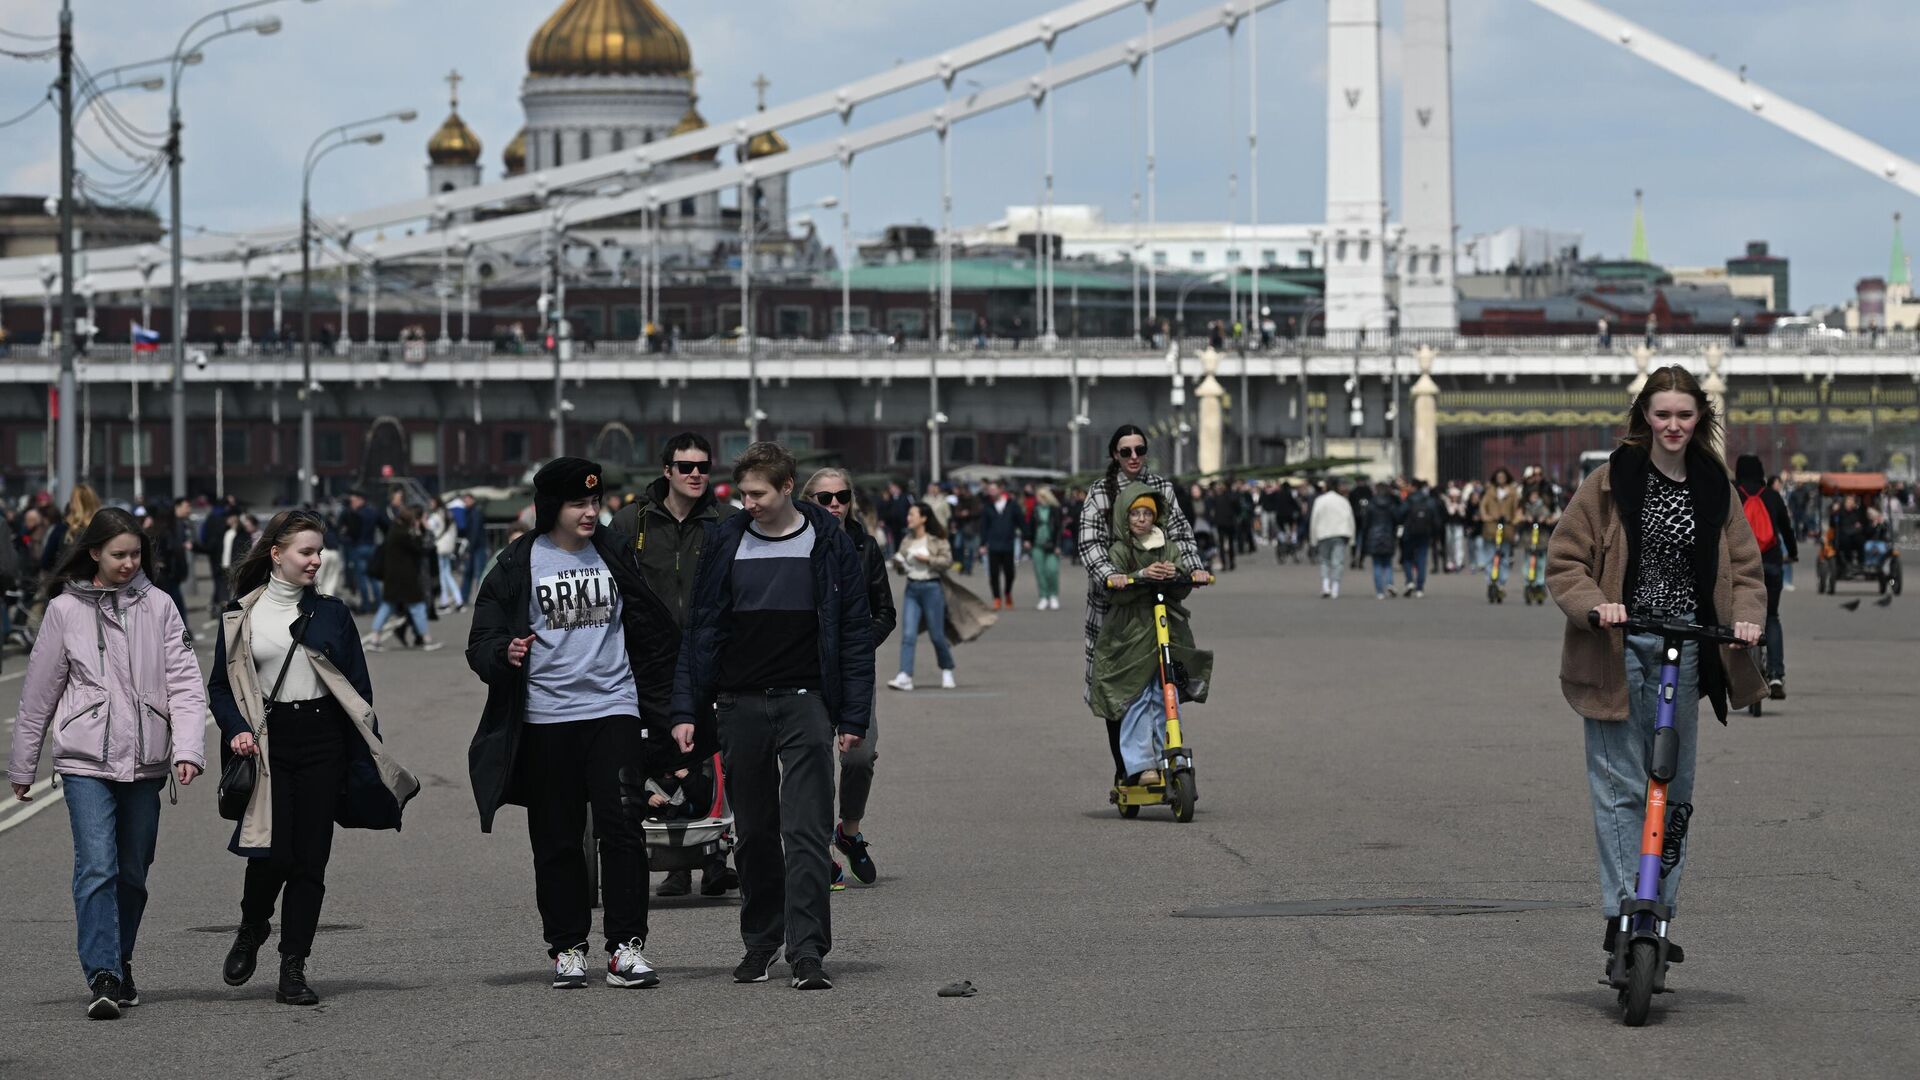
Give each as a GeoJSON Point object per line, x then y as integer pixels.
{"type": "Point", "coordinates": [1761, 519]}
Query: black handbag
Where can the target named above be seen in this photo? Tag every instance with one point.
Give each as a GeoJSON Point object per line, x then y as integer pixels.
{"type": "Point", "coordinates": [239, 774]}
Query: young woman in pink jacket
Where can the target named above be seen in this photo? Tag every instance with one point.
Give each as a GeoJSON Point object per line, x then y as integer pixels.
{"type": "Point", "coordinates": [114, 682]}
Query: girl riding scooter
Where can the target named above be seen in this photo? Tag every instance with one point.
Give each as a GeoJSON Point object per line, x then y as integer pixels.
{"type": "Point", "coordinates": [1655, 530]}
{"type": "Point", "coordinates": [1126, 655]}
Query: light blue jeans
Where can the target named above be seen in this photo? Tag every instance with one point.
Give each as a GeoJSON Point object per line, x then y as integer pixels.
{"type": "Point", "coordinates": [924, 604]}
{"type": "Point", "coordinates": [1143, 730]}
{"type": "Point", "coordinates": [1618, 756]}
{"type": "Point", "coordinates": [416, 614]}
{"type": "Point", "coordinates": [115, 827]}
{"type": "Point", "coordinates": [1333, 562]}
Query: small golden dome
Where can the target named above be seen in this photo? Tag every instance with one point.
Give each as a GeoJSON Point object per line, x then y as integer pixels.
{"type": "Point", "coordinates": [454, 144]}
{"type": "Point", "coordinates": [514, 157]}
{"type": "Point", "coordinates": [765, 144]}
{"type": "Point", "coordinates": [691, 123]}
{"type": "Point", "coordinates": [609, 37]}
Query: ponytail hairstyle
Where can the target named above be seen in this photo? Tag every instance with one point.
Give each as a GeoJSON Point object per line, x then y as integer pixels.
{"type": "Point", "coordinates": [1113, 465]}
{"type": "Point", "coordinates": [1675, 379]}
{"type": "Point", "coordinates": [79, 564]}
{"type": "Point", "coordinates": [251, 571]}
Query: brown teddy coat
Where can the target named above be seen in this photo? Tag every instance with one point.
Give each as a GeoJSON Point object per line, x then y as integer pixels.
{"type": "Point", "coordinates": [1593, 554]}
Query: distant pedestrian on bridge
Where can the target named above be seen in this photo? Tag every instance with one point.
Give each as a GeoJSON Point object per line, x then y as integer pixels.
{"type": "Point", "coordinates": [1330, 529]}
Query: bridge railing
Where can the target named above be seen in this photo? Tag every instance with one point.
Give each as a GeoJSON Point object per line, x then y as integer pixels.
{"type": "Point", "coordinates": [1896, 343]}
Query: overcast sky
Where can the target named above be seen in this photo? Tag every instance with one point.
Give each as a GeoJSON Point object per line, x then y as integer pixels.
{"type": "Point", "coordinates": [1553, 127]}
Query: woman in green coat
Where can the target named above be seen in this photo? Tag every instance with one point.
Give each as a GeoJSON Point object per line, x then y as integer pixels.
{"type": "Point", "coordinates": [1126, 657]}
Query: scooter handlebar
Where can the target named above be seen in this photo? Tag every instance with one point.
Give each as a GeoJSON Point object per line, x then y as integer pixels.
{"type": "Point", "coordinates": [1135, 582]}
{"type": "Point", "coordinates": [1635, 624]}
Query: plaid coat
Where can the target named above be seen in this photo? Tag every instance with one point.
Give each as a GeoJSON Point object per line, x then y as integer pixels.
{"type": "Point", "coordinates": [1095, 536]}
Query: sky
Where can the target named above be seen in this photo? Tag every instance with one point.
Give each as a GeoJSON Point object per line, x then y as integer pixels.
{"type": "Point", "coordinates": [1553, 127]}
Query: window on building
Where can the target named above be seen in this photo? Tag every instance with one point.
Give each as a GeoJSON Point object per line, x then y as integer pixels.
{"type": "Point", "coordinates": [794, 321]}
{"type": "Point", "coordinates": [513, 447]}
{"type": "Point", "coordinates": [1197, 257]}
{"type": "Point", "coordinates": [858, 318]}
{"type": "Point", "coordinates": [1269, 257]}
{"type": "Point", "coordinates": [619, 140]}
{"type": "Point", "coordinates": [1159, 258]}
{"type": "Point", "coordinates": [124, 449]}
{"type": "Point", "coordinates": [626, 323]}
{"type": "Point", "coordinates": [795, 440]}
{"type": "Point", "coordinates": [688, 208]}
{"type": "Point", "coordinates": [909, 321]}
{"type": "Point", "coordinates": [587, 323]}
{"type": "Point", "coordinates": [964, 321]}
{"type": "Point", "coordinates": [727, 319]}
{"type": "Point", "coordinates": [30, 448]}
{"type": "Point", "coordinates": [586, 145]}
{"type": "Point", "coordinates": [233, 445]}
{"type": "Point", "coordinates": [556, 149]}
{"type": "Point", "coordinates": [732, 445]}
{"type": "Point", "coordinates": [903, 448]}
{"type": "Point", "coordinates": [676, 317]}
{"type": "Point", "coordinates": [329, 448]}
{"type": "Point", "coordinates": [960, 450]}
{"type": "Point", "coordinates": [423, 448]}
{"type": "Point", "coordinates": [1233, 256]}
{"type": "Point", "coordinates": [1305, 257]}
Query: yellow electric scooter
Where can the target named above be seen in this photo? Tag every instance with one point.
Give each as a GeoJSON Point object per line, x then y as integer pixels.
{"type": "Point", "coordinates": [1177, 787]}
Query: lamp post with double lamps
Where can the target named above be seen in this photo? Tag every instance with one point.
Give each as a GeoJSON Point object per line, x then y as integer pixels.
{"type": "Point", "coordinates": [217, 25]}
{"type": "Point", "coordinates": [327, 143]}
{"type": "Point", "coordinates": [554, 306]}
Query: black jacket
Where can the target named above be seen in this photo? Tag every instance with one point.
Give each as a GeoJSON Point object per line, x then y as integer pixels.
{"type": "Point", "coordinates": [846, 623]}
{"type": "Point", "coordinates": [503, 611]}
{"type": "Point", "coordinates": [1048, 538]}
{"type": "Point", "coordinates": [879, 589]}
{"type": "Point", "coordinates": [668, 548]}
{"type": "Point", "coordinates": [1001, 529]}
{"type": "Point", "coordinates": [326, 626]}
{"type": "Point", "coordinates": [1381, 524]}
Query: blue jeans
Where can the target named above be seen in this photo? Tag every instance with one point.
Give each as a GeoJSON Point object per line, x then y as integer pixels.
{"type": "Point", "coordinates": [1413, 559]}
{"type": "Point", "coordinates": [416, 614]}
{"type": "Point", "coordinates": [359, 556]}
{"type": "Point", "coordinates": [476, 568]}
{"type": "Point", "coordinates": [1332, 555]}
{"type": "Point", "coordinates": [115, 827]}
{"type": "Point", "coordinates": [1617, 762]}
{"type": "Point", "coordinates": [1505, 553]}
{"type": "Point", "coordinates": [924, 604]}
{"type": "Point", "coordinates": [1382, 574]}
{"type": "Point", "coordinates": [1143, 730]}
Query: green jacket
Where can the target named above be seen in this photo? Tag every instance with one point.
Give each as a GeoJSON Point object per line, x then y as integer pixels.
{"type": "Point", "coordinates": [1126, 657]}
{"type": "Point", "coordinates": [668, 548]}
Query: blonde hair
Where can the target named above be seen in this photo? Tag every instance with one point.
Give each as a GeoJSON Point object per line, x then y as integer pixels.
{"type": "Point", "coordinates": [81, 506]}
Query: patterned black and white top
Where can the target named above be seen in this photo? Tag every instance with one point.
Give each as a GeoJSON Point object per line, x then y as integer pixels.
{"type": "Point", "coordinates": [1667, 527]}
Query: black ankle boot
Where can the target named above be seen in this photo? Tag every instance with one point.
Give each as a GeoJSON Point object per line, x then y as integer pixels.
{"type": "Point", "coordinates": [293, 983]}
{"type": "Point", "coordinates": [245, 951]}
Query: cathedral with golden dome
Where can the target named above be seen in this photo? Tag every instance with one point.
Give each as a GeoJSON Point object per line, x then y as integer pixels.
{"type": "Point", "coordinates": [606, 76]}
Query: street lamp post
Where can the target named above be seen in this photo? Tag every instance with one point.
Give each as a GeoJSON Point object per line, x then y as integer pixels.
{"type": "Point", "coordinates": [327, 143]}
{"type": "Point", "coordinates": [554, 240]}
{"type": "Point", "coordinates": [184, 55]}
{"type": "Point", "coordinates": [749, 232]}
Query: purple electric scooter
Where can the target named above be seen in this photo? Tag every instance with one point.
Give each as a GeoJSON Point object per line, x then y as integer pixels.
{"type": "Point", "coordinates": [1638, 969]}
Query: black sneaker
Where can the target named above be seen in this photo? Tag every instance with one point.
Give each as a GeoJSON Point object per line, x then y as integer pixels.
{"type": "Point", "coordinates": [716, 880]}
{"type": "Point", "coordinates": [129, 997]}
{"type": "Point", "coordinates": [677, 883]}
{"type": "Point", "coordinates": [858, 861]}
{"type": "Point", "coordinates": [755, 965]}
{"type": "Point", "coordinates": [103, 1003]}
{"type": "Point", "coordinates": [1777, 689]}
{"type": "Point", "coordinates": [809, 975]}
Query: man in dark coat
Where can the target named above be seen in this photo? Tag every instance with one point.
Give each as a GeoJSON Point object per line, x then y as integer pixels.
{"type": "Point", "coordinates": [578, 657]}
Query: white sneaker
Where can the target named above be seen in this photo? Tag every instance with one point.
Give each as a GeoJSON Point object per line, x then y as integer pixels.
{"type": "Point", "coordinates": [1042, 605]}
{"type": "Point", "coordinates": [1788, 586]}
{"type": "Point", "coordinates": [570, 968]}
{"type": "Point", "coordinates": [1053, 602]}
{"type": "Point", "coordinates": [902, 681]}
{"type": "Point", "coordinates": [629, 969]}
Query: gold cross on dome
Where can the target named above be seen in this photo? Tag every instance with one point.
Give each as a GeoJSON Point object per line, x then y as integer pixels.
{"type": "Point", "coordinates": [760, 85]}
{"type": "Point", "coordinates": [453, 80]}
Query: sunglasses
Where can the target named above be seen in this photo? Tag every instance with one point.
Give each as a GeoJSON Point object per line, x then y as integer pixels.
{"type": "Point", "coordinates": [687, 468]}
{"type": "Point", "coordinates": [828, 498]}
{"type": "Point", "coordinates": [1131, 452]}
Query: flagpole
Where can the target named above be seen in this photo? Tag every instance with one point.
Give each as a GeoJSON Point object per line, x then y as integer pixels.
{"type": "Point", "coordinates": [133, 382]}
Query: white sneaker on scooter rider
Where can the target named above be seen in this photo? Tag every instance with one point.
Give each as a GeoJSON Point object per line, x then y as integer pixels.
{"type": "Point", "coordinates": [946, 680]}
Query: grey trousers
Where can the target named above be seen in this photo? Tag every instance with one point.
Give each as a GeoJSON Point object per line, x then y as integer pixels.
{"type": "Point", "coordinates": [856, 772]}
{"type": "Point", "coordinates": [1618, 752]}
{"type": "Point", "coordinates": [777, 748]}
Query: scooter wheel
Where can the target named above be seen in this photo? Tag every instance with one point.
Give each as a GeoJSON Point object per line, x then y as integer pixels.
{"type": "Point", "coordinates": [1637, 999]}
{"type": "Point", "coordinates": [1180, 796]}
{"type": "Point", "coordinates": [1129, 812]}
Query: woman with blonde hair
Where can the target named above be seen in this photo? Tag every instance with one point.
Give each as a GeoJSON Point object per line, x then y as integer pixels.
{"type": "Point", "coordinates": [1655, 533]}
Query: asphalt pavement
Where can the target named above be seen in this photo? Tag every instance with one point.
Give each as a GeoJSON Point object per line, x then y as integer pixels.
{"type": "Point", "coordinates": [1393, 836]}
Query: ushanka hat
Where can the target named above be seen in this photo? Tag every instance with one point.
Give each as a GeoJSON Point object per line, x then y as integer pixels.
{"type": "Point", "coordinates": [558, 483]}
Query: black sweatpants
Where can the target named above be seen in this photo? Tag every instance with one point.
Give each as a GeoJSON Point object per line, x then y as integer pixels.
{"type": "Point", "coordinates": [777, 747]}
{"type": "Point", "coordinates": [1000, 563]}
{"type": "Point", "coordinates": [306, 767]}
{"type": "Point", "coordinates": [856, 772]}
{"type": "Point", "coordinates": [563, 769]}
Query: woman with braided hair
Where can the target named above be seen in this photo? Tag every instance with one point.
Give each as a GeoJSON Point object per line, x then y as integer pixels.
{"type": "Point", "coordinates": [1126, 464]}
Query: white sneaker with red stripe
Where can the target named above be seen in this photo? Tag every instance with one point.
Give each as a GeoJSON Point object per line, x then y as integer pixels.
{"type": "Point", "coordinates": [628, 969]}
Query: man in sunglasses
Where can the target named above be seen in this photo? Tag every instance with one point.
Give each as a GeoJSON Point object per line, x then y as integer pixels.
{"type": "Point", "coordinates": [665, 527]}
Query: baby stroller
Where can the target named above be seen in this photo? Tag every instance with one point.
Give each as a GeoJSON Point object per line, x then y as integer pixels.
{"type": "Point", "coordinates": [677, 839]}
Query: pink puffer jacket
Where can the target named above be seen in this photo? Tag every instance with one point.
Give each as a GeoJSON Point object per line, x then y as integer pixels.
{"type": "Point", "coordinates": [113, 676]}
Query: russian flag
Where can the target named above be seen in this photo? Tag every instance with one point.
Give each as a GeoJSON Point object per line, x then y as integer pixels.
{"type": "Point", "coordinates": [145, 340]}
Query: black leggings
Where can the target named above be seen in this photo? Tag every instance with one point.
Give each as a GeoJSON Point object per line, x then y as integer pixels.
{"type": "Point", "coordinates": [306, 767]}
{"type": "Point", "coordinates": [1000, 563]}
{"type": "Point", "coordinates": [1113, 745]}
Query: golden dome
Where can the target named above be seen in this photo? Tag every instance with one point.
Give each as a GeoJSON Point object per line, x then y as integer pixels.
{"type": "Point", "coordinates": [514, 157]}
{"type": "Point", "coordinates": [609, 37]}
{"type": "Point", "coordinates": [691, 123]}
{"type": "Point", "coordinates": [454, 144]}
{"type": "Point", "coordinates": [765, 144]}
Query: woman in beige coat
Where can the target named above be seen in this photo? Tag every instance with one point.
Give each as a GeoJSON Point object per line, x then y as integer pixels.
{"type": "Point", "coordinates": [1655, 531]}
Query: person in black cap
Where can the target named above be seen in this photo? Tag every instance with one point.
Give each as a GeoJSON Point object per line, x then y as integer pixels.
{"type": "Point", "coordinates": [578, 657]}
